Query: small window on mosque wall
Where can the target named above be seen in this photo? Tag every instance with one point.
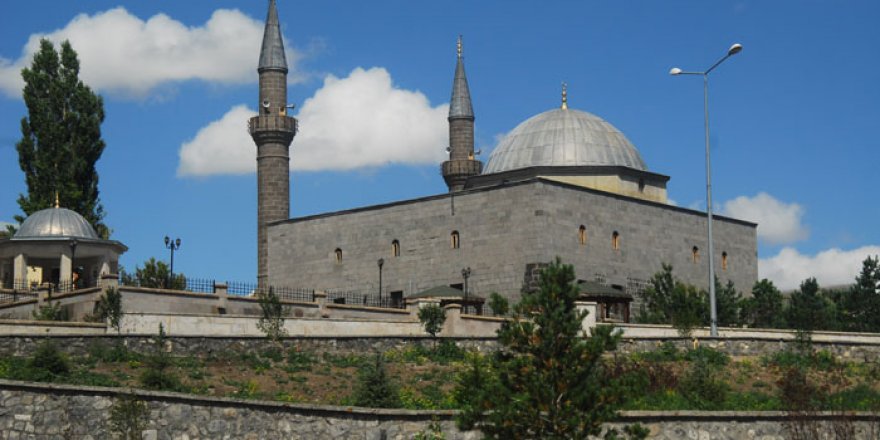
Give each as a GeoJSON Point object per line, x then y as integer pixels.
{"type": "Point", "coordinates": [724, 261]}
{"type": "Point", "coordinates": [615, 241]}
{"type": "Point", "coordinates": [395, 248]}
{"type": "Point", "coordinates": [582, 235]}
{"type": "Point", "coordinates": [338, 253]}
{"type": "Point", "coordinates": [695, 255]}
{"type": "Point", "coordinates": [454, 240]}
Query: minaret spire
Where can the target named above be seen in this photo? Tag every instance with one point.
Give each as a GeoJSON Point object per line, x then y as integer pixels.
{"type": "Point", "coordinates": [272, 131]}
{"type": "Point", "coordinates": [272, 53]}
{"type": "Point", "coordinates": [461, 163]}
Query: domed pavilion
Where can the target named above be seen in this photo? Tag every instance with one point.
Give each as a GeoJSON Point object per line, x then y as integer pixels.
{"type": "Point", "coordinates": [57, 246]}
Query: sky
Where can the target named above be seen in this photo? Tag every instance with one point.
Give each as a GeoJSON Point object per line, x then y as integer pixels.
{"type": "Point", "coordinates": [793, 116]}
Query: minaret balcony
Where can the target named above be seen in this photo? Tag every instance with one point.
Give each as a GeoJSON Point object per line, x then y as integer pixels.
{"type": "Point", "coordinates": [272, 128]}
{"type": "Point", "coordinates": [465, 168]}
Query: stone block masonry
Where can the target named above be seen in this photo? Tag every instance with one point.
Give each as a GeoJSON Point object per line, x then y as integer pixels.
{"type": "Point", "coordinates": [44, 411]}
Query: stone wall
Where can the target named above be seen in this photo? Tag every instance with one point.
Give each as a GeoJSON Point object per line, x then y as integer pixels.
{"type": "Point", "coordinates": [502, 231]}
{"type": "Point", "coordinates": [43, 411]}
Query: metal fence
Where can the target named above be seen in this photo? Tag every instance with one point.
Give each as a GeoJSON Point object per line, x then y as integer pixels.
{"type": "Point", "coordinates": [284, 293]}
{"type": "Point", "coordinates": [188, 284]}
{"type": "Point", "coordinates": [363, 299]}
{"type": "Point", "coordinates": [200, 285]}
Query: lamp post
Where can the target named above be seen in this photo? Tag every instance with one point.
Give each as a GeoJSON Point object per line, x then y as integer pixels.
{"type": "Point", "coordinates": [466, 273]}
{"type": "Point", "coordinates": [173, 245]}
{"type": "Point", "coordinates": [713, 312]}
{"type": "Point", "coordinates": [73, 244]}
{"type": "Point", "coordinates": [381, 263]}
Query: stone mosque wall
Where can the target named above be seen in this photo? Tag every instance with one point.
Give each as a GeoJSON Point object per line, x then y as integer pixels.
{"type": "Point", "coordinates": [501, 230]}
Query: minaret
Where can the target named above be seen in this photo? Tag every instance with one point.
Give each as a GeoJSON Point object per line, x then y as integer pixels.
{"type": "Point", "coordinates": [461, 163]}
{"type": "Point", "coordinates": [272, 131]}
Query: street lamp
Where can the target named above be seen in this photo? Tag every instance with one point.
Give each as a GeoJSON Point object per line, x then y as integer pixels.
{"type": "Point", "coordinates": [73, 244]}
{"type": "Point", "coordinates": [466, 273]}
{"type": "Point", "coordinates": [173, 245]}
{"type": "Point", "coordinates": [713, 313]}
{"type": "Point", "coordinates": [381, 263]}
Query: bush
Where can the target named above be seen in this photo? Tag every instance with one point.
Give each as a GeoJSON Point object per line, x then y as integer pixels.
{"type": "Point", "coordinates": [711, 356]}
{"type": "Point", "coordinates": [271, 323]}
{"type": "Point", "coordinates": [47, 363]}
{"type": "Point", "coordinates": [432, 318]}
{"type": "Point", "coordinates": [701, 385]}
{"type": "Point", "coordinates": [109, 308]}
{"type": "Point", "coordinates": [374, 388]}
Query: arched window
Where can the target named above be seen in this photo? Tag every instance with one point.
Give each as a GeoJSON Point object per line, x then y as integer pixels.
{"type": "Point", "coordinates": [695, 254]}
{"type": "Point", "coordinates": [395, 248]}
{"type": "Point", "coordinates": [454, 240]}
{"type": "Point", "coordinates": [582, 234]}
{"type": "Point", "coordinates": [724, 261]}
{"type": "Point", "coordinates": [338, 253]}
{"type": "Point", "coordinates": [615, 241]}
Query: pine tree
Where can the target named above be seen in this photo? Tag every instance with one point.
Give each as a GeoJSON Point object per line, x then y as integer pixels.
{"type": "Point", "coordinates": [764, 308]}
{"type": "Point", "coordinates": [860, 306]}
{"type": "Point", "coordinates": [61, 137]}
{"type": "Point", "coordinates": [548, 380]}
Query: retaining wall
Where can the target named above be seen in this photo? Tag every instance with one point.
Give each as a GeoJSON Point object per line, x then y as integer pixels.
{"type": "Point", "coordinates": [42, 411]}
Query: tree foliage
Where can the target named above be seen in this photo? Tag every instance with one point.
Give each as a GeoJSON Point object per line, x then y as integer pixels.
{"type": "Point", "coordinates": [271, 322]}
{"type": "Point", "coordinates": [809, 310]}
{"type": "Point", "coordinates": [432, 318]}
{"type": "Point", "coordinates": [61, 137]}
{"type": "Point", "coordinates": [375, 389]}
{"type": "Point", "coordinates": [154, 274]}
{"type": "Point", "coordinates": [109, 308]}
{"type": "Point", "coordinates": [764, 308]}
{"type": "Point", "coordinates": [548, 380]}
{"type": "Point", "coordinates": [859, 306]}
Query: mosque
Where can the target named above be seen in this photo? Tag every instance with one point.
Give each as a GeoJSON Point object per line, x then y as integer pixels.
{"type": "Point", "coordinates": [562, 183]}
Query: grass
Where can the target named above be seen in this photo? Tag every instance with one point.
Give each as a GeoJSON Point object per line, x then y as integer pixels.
{"type": "Point", "coordinates": [664, 379]}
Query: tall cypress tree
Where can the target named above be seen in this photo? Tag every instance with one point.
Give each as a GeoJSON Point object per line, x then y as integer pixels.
{"type": "Point", "coordinates": [61, 137]}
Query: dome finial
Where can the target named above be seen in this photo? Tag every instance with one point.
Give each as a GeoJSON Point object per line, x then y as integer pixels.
{"type": "Point", "coordinates": [458, 46]}
{"type": "Point", "coordinates": [564, 96]}
{"type": "Point", "coordinates": [57, 204]}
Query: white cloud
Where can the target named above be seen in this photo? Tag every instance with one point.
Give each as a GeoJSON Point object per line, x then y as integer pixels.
{"type": "Point", "coordinates": [121, 53]}
{"type": "Point", "coordinates": [221, 147]}
{"type": "Point", "coordinates": [830, 267]}
{"type": "Point", "coordinates": [363, 120]}
{"type": "Point", "coordinates": [778, 222]}
{"type": "Point", "coordinates": [358, 121]}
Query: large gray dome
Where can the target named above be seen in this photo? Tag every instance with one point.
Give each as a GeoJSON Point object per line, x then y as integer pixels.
{"type": "Point", "coordinates": [564, 137]}
{"type": "Point", "coordinates": [55, 222]}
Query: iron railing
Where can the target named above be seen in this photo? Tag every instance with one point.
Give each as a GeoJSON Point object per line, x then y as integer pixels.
{"type": "Point", "coordinates": [200, 285]}
{"type": "Point", "coordinates": [284, 293]}
{"type": "Point", "coordinates": [363, 299]}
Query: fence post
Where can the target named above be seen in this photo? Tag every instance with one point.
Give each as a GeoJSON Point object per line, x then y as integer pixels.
{"type": "Point", "coordinates": [222, 292]}
{"type": "Point", "coordinates": [453, 320]}
{"type": "Point", "coordinates": [108, 280]}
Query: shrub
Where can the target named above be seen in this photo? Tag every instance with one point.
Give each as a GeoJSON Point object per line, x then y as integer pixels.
{"type": "Point", "coordinates": [47, 363]}
{"type": "Point", "coordinates": [701, 385]}
{"type": "Point", "coordinates": [157, 376]}
{"type": "Point", "coordinates": [109, 308]}
{"type": "Point", "coordinates": [432, 318]}
{"type": "Point", "coordinates": [271, 323]}
{"type": "Point", "coordinates": [374, 388]}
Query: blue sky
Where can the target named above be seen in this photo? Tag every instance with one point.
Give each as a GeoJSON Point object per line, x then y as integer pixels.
{"type": "Point", "coordinates": [794, 116]}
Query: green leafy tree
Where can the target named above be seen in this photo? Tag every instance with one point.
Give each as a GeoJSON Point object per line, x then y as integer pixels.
{"type": "Point", "coordinates": [548, 380]}
{"type": "Point", "coordinates": [689, 309]}
{"type": "Point", "coordinates": [860, 304]}
{"type": "Point", "coordinates": [61, 137]}
{"type": "Point", "coordinates": [109, 308]}
{"type": "Point", "coordinates": [156, 274]}
{"type": "Point", "coordinates": [271, 322]}
{"type": "Point", "coordinates": [658, 306]}
{"type": "Point", "coordinates": [432, 318]}
{"type": "Point", "coordinates": [374, 388]}
{"type": "Point", "coordinates": [764, 309]}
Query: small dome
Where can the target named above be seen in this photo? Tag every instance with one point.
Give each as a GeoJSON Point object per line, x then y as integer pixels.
{"type": "Point", "coordinates": [55, 222]}
{"type": "Point", "coordinates": [564, 137]}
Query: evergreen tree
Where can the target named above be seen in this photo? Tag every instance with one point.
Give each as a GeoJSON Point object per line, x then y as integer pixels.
{"type": "Point", "coordinates": [61, 137]}
{"type": "Point", "coordinates": [658, 300]}
{"type": "Point", "coordinates": [548, 380]}
{"type": "Point", "coordinates": [809, 310]}
{"type": "Point", "coordinates": [727, 302]}
{"type": "Point", "coordinates": [860, 305]}
{"type": "Point", "coordinates": [764, 308]}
